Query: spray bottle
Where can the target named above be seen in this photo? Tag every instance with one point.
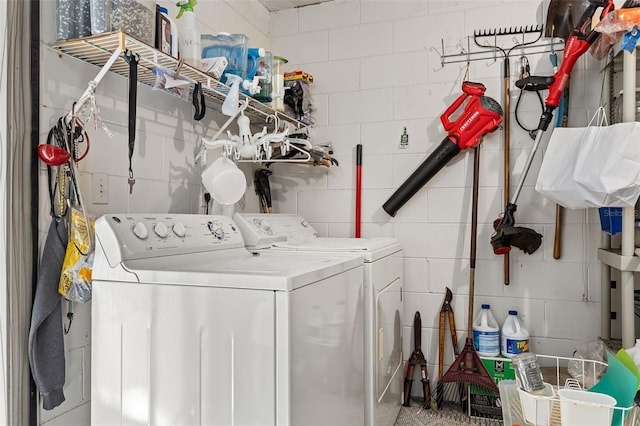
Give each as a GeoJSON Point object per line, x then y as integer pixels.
{"type": "Point", "coordinates": [189, 35]}
{"type": "Point", "coordinates": [230, 105]}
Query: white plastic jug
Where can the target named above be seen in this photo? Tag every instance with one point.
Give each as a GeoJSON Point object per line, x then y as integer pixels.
{"type": "Point", "coordinates": [486, 333]}
{"type": "Point", "coordinates": [515, 337]}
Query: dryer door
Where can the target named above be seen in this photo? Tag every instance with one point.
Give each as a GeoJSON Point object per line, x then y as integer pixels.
{"type": "Point", "coordinates": [389, 343]}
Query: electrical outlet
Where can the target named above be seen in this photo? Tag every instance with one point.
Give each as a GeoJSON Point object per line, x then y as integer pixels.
{"type": "Point", "coordinates": [100, 188]}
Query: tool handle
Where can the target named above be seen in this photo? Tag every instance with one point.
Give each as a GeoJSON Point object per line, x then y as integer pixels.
{"type": "Point", "coordinates": [441, 346]}
{"type": "Point", "coordinates": [407, 392]}
{"type": "Point", "coordinates": [358, 189]}
{"type": "Point", "coordinates": [454, 335]}
{"type": "Point", "coordinates": [426, 389]}
{"type": "Point", "coordinates": [557, 242]}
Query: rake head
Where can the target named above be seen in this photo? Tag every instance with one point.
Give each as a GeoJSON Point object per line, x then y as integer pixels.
{"type": "Point", "coordinates": [468, 368]}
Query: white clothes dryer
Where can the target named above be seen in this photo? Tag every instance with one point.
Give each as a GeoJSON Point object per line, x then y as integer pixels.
{"type": "Point", "coordinates": [188, 327]}
{"type": "Point", "coordinates": [382, 291]}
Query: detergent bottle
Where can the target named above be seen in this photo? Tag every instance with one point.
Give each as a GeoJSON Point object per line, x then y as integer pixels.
{"type": "Point", "coordinates": [515, 338]}
{"type": "Point", "coordinates": [166, 32]}
{"type": "Point", "coordinates": [189, 36]}
{"type": "Point", "coordinates": [486, 333]}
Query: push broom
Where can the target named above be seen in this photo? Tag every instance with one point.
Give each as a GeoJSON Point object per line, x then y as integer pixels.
{"type": "Point", "coordinates": [468, 368]}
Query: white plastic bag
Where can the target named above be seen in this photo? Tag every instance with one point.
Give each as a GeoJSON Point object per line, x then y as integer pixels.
{"type": "Point", "coordinates": [594, 166]}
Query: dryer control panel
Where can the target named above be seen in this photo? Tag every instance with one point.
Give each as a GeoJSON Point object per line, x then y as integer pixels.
{"type": "Point", "coordinates": [139, 236]}
{"type": "Point", "coordinates": [262, 230]}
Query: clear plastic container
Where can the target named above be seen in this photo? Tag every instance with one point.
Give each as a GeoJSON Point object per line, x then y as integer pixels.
{"type": "Point", "coordinates": [514, 336]}
{"type": "Point", "coordinates": [527, 370]}
{"type": "Point", "coordinates": [277, 83]}
{"type": "Point", "coordinates": [486, 333]}
{"type": "Point", "coordinates": [135, 17]}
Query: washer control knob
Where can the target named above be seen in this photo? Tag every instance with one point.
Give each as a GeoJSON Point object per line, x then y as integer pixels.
{"type": "Point", "coordinates": [263, 226]}
{"type": "Point", "coordinates": [140, 231]}
{"type": "Point", "coordinates": [161, 230]}
{"type": "Point", "coordinates": [216, 229]}
{"type": "Point", "coordinates": [179, 229]}
{"type": "Point", "coordinates": [218, 233]}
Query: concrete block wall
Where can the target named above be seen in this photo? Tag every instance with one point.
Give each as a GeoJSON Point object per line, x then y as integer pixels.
{"type": "Point", "coordinates": [377, 68]}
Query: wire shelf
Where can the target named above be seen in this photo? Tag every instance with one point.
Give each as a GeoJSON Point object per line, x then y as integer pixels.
{"type": "Point", "coordinates": [97, 49]}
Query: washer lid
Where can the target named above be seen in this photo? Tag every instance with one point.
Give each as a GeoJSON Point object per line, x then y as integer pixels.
{"type": "Point", "coordinates": [235, 269]}
{"type": "Point", "coordinates": [370, 248]}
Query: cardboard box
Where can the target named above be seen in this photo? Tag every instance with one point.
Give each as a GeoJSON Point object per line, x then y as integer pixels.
{"type": "Point", "coordinates": [486, 404]}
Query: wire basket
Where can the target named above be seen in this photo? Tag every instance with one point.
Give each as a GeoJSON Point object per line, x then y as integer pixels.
{"type": "Point", "coordinates": [547, 410]}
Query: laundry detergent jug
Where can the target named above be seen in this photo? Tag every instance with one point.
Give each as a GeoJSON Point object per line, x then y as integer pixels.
{"type": "Point", "coordinates": [515, 337]}
{"type": "Point", "coordinates": [230, 46]}
{"type": "Point", "coordinates": [486, 333]}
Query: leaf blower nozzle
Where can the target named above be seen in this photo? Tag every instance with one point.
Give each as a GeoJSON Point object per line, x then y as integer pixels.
{"type": "Point", "coordinates": [480, 115]}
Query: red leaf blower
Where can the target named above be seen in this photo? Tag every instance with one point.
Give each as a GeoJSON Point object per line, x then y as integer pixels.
{"type": "Point", "coordinates": [579, 41]}
{"type": "Point", "coordinates": [481, 115]}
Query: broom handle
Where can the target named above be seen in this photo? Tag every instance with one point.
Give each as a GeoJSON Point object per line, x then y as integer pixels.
{"type": "Point", "coordinates": [506, 121]}
{"type": "Point", "coordinates": [474, 234]}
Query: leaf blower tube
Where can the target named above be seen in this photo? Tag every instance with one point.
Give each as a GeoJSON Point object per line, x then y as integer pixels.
{"type": "Point", "coordinates": [481, 115]}
{"type": "Point", "coordinates": [581, 38]}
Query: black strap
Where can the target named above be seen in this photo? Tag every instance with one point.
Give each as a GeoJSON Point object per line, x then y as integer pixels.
{"type": "Point", "coordinates": [198, 102]}
{"type": "Point", "coordinates": [133, 59]}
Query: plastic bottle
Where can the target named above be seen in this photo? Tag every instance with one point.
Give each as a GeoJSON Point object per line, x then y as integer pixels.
{"type": "Point", "coordinates": [486, 333]}
{"type": "Point", "coordinates": [253, 60]}
{"type": "Point", "coordinates": [264, 70]}
{"type": "Point", "coordinates": [634, 352]}
{"type": "Point", "coordinates": [515, 337]}
{"type": "Point", "coordinates": [166, 33]}
{"type": "Point", "coordinates": [189, 36]}
{"type": "Point", "coordinates": [277, 82]}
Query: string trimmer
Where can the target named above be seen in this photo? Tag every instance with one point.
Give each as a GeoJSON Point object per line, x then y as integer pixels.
{"type": "Point", "coordinates": [581, 38]}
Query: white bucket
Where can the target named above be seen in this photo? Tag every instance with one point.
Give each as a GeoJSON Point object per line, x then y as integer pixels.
{"type": "Point", "coordinates": [582, 408]}
{"type": "Point", "coordinates": [537, 408]}
{"type": "Point", "coordinates": [224, 181]}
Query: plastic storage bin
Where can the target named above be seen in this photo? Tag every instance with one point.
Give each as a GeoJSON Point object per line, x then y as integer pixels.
{"type": "Point", "coordinates": [134, 17]}
{"type": "Point", "coordinates": [611, 219]}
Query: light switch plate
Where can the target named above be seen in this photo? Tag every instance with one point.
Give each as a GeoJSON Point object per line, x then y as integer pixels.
{"type": "Point", "coordinates": [100, 188]}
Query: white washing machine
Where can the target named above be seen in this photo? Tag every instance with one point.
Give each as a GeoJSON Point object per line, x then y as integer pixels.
{"type": "Point", "coordinates": [383, 305]}
{"type": "Point", "coordinates": [190, 328]}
